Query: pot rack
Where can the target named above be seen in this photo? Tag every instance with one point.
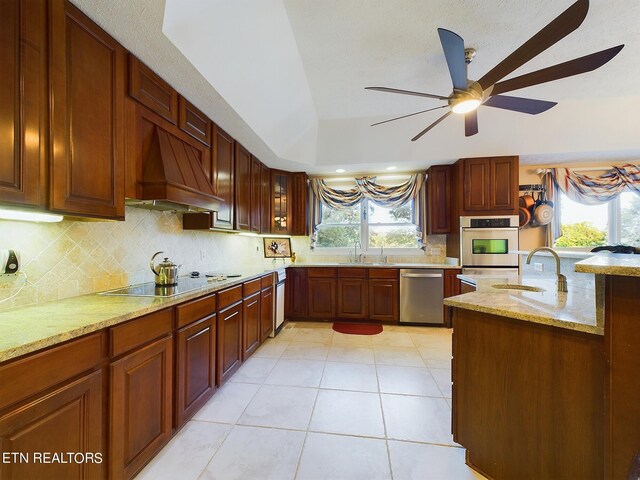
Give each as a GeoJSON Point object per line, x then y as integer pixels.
{"type": "Point", "coordinates": [533, 187]}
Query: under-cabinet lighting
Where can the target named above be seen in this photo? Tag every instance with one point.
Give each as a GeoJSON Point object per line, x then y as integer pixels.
{"type": "Point", "coordinates": [340, 170]}
{"type": "Point", "coordinates": [248, 234]}
{"type": "Point", "coordinates": [23, 216]}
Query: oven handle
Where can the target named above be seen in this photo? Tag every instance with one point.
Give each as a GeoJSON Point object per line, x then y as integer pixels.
{"type": "Point", "coordinates": [421, 275]}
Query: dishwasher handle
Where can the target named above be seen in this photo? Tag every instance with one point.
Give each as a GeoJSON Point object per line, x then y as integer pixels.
{"type": "Point", "coordinates": [421, 275]}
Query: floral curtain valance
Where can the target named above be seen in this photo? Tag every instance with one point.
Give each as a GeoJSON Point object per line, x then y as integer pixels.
{"type": "Point", "coordinates": [366, 187]}
{"type": "Point", "coordinates": [594, 190]}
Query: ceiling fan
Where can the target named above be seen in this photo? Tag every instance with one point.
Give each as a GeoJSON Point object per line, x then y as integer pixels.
{"type": "Point", "coordinates": [468, 95]}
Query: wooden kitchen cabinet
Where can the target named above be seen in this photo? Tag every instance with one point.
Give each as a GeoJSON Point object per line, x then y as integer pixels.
{"type": "Point", "coordinates": [384, 297]}
{"type": "Point", "coordinates": [223, 178]}
{"type": "Point", "coordinates": [439, 200]}
{"type": "Point", "coordinates": [148, 88]}
{"type": "Point", "coordinates": [141, 387]}
{"type": "Point", "coordinates": [23, 103]}
{"type": "Point", "coordinates": [242, 188]}
{"type": "Point", "coordinates": [296, 293]}
{"type": "Point", "coordinates": [280, 208]}
{"type": "Point", "coordinates": [352, 294]}
{"type": "Point", "coordinates": [251, 331]}
{"type": "Point", "coordinates": [195, 367]}
{"type": "Point", "coordinates": [298, 215]}
{"type": "Point", "coordinates": [265, 199]}
{"type": "Point", "coordinates": [528, 398]}
{"type": "Point", "coordinates": [256, 194]}
{"type": "Point", "coordinates": [229, 341]}
{"type": "Point", "coordinates": [321, 286]}
{"type": "Point", "coordinates": [87, 78]}
{"type": "Point", "coordinates": [195, 123]}
{"type": "Point", "coordinates": [452, 287]}
{"type": "Point", "coordinates": [68, 419]}
{"type": "Point", "coordinates": [267, 312]}
{"type": "Point", "coordinates": [489, 186]}
{"type": "Point", "coordinates": [622, 340]}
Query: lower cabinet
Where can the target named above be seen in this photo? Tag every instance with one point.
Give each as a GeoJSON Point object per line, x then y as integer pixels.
{"type": "Point", "coordinates": [68, 419]}
{"type": "Point", "coordinates": [251, 325]}
{"type": "Point", "coordinates": [296, 293]}
{"type": "Point", "coordinates": [322, 297]}
{"type": "Point", "coordinates": [195, 367]}
{"type": "Point", "coordinates": [266, 313]}
{"type": "Point", "coordinates": [352, 298]}
{"type": "Point", "coordinates": [383, 299]}
{"type": "Point", "coordinates": [229, 341]}
{"type": "Point", "coordinates": [141, 407]}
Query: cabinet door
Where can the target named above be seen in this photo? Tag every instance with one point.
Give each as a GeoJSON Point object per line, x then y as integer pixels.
{"type": "Point", "coordinates": [352, 298]}
{"type": "Point", "coordinates": [452, 287]}
{"type": "Point", "coordinates": [141, 407]}
{"type": "Point", "coordinates": [322, 297]}
{"type": "Point", "coordinates": [256, 192]}
{"type": "Point", "coordinates": [195, 123]}
{"type": "Point", "coordinates": [229, 342]}
{"type": "Point", "coordinates": [476, 178]}
{"type": "Point", "coordinates": [298, 203]}
{"type": "Point", "coordinates": [23, 103]}
{"type": "Point", "coordinates": [243, 188]}
{"type": "Point", "coordinates": [296, 293]}
{"type": "Point", "coordinates": [87, 103]}
{"type": "Point", "coordinates": [251, 333]}
{"type": "Point", "coordinates": [69, 419]}
{"type": "Point", "coordinates": [503, 193]}
{"type": "Point", "coordinates": [195, 367]}
{"type": "Point", "coordinates": [152, 91]}
{"type": "Point", "coordinates": [266, 313]}
{"type": "Point", "coordinates": [439, 200]}
{"type": "Point", "coordinates": [223, 177]}
{"type": "Point", "coordinates": [265, 199]}
{"type": "Point", "coordinates": [383, 299]}
{"type": "Point", "coordinates": [280, 204]}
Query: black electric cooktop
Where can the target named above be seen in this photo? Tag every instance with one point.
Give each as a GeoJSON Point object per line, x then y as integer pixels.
{"type": "Point", "coordinates": [184, 285]}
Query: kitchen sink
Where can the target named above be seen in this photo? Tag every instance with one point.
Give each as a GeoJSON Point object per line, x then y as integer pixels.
{"type": "Point", "coordinates": [365, 263]}
{"type": "Point", "coordinates": [509, 286]}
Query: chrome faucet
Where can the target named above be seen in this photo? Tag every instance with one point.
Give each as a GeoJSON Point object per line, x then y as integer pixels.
{"type": "Point", "coordinates": [356, 258]}
{"type": "Point", "coordinates": [562, 280]}
{"type": "Point", "coordinates": [383, 259]}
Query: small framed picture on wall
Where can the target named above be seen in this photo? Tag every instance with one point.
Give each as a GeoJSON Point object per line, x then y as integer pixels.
{"type": "Point", "coordinates": [277, 247]}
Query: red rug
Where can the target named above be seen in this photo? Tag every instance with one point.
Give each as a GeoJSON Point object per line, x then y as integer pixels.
{"type": "Point", "coordinates": [357, 328]}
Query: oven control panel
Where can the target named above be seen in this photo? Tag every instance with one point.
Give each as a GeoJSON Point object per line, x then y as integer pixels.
{"type": "Point", "coordinates": [506, 221]}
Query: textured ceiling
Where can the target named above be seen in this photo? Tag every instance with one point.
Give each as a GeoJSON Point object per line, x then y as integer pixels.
{"type": "Point", "coordinates": [345, 45]}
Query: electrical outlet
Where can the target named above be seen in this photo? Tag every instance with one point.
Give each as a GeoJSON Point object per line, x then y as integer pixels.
{"type": "Point", "coordinates": [538, 267]}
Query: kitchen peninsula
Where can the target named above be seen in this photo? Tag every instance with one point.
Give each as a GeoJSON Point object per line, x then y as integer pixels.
{"type": "Point", "coordinates": [541, 392]}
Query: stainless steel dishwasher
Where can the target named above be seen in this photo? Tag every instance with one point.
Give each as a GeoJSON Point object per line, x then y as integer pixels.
{"type": "Point", "coordinates": [421, 296]}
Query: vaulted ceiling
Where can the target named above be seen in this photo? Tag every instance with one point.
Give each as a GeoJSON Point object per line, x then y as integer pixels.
{"type": "Point", "coordinates": [286, 77]}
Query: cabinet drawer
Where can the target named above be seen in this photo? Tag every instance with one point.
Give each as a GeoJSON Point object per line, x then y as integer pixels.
{"type": "Point", "coordinates": [321, 272]}
{"type": "Point", "coordinates": [251, 287]}
{"type": "Point", "coordinates": [35, 373]}
{"type": "Point", "coordinates": [383, 273]}
{"type": "Point", "coordinates": [229, 296]}
{"type": "Point", "coordinates": [267, 281]}
{"type": "Point", "coordinates": [195, 310]}
{"type": "Point", "coordinates": [152, 91]}
{"type": "Point", "coordinates": [352, 272]}
{"type": "Point", "coordinates": [139, 331]}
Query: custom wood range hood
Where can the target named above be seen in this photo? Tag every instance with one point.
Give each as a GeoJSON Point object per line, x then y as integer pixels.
{"type": "Point", "coordinates": [165, 166]}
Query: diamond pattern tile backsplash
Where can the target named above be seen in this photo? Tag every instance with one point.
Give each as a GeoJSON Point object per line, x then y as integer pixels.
{"type": "Point", "coordinates": [72, 258]}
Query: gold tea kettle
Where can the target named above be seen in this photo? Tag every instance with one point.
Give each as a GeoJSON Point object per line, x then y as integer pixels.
{"type": "Point", "coordinates": [166, 271]}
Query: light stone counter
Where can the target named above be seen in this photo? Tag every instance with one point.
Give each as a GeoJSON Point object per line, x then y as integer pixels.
{"type": "Point", "coordinates": [579, 309]}
{"type": "Point", "coordinates": [442, 266]}
{"type": "Point", "coordinates": [27, 329]}
{"type": "Point", "coordinates": [613, 264]}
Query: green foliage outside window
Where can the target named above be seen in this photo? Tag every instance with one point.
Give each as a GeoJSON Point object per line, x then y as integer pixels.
{"type": "Point", "coordinates": [582, 234]}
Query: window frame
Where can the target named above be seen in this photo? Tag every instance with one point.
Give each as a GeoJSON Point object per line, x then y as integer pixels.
{"type": "Point", "coordinates": [364, 225]}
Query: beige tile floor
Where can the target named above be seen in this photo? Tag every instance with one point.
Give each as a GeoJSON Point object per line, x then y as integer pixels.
{"type": "Point", "coordinates": [314, 404]}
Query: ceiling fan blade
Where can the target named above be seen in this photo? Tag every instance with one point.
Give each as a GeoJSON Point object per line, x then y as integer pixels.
{"type": "Point", "coordinates": [555, 31]}
{"type": "Point", "coordinates": [406, 92]}
{"type": "Point", "coordinates": [410, 115]}
{"type": "Point", "coordinates": [453, 46]}
{"type": "Point", "coordinates": [471, 123]}
{"type": "Point", "coordinates": [519, 104]}
{"type": "Point", "coordinates": [556, 72]}
{"type": "Point", "coordinates": [431, 126]}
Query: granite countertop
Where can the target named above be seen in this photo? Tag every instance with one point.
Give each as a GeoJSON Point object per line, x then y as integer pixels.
{"type": "Point", "coordinates": [561, 253]}
{"type": "Point", "coordinates": [27, 329]}
{"type": "Point", "coordinates": [579, 309]}
{"type": "Point", "coordinates": [611, 264]}
{"type": "Point", "coordinates": [442, 266]}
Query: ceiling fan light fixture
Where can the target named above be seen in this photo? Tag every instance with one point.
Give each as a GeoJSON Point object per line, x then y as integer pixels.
{"type": "Point", "coordinates": [465, 105]}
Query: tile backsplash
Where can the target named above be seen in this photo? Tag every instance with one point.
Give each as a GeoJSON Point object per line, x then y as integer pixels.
{"type": "Point", "coordinates": [72, 258]}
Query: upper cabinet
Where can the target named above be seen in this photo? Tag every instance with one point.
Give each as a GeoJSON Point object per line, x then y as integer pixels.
{"type": "Point", "coordinates": [243, 188]}
{"type": "Point", "coordinates": [223, 178]}
{"type": "Point", "coordinates": [279, 202]}
{"type": "Point", "coordinates": [195, 123]}
{"type": "Point", "coordinates": [152, 91]}
{"type": "Point", "coordinates": [489, 186]}
{"type": "Point", "coordinates": [87, 112]}
{"type": "Point", "coordinates": [23, 103]}
{"type": "Point", "coordinates": [256, 193]}
{"type": "Point", "coordinates": [265, 199]}
{"type": "Point", "coordinates": [439, 200]}
{"type": "Point", "coordinates": [298, 204]}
